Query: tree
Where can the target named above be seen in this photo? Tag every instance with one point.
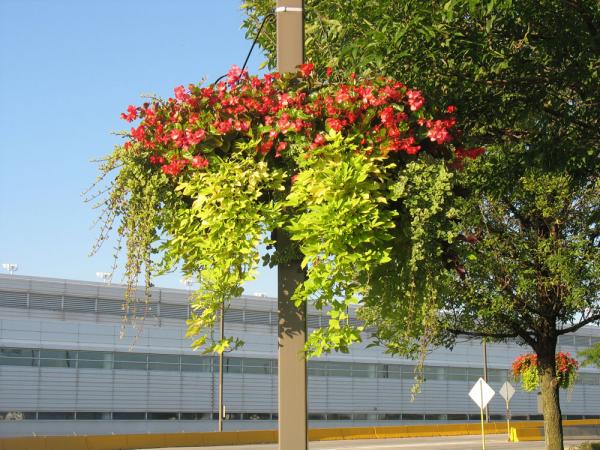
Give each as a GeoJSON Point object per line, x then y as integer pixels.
{"type": "Point", "coordinates": [524, 78]}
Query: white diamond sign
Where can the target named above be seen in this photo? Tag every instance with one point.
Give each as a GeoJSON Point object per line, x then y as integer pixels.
{"type": "Point", "coordinates": [481, 393]}
{"type": "Point", "coordinates": [507, 391]}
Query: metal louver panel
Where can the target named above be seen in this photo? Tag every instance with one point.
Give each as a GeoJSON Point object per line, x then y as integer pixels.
{"type": "Point", "coordinates": [80, 304]}
{"type": "Point", "coordinates": [172, 311]}
{"type": "Point", "coordinates": [234, 315]}
{"type": "Point", "coordinates": [13, 299]}
{"type": "Point", "coordinates": [42, 301]}
{"type": "Point", "coordinates": [257, 317]}
{"type": "Point", "coordinates": [106, 306]}
{"type": "Point", "coordinates": [313, 321]}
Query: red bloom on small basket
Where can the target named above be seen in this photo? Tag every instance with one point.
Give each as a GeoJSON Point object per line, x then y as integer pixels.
{"type": "Point", "coordinates": [525, 367]}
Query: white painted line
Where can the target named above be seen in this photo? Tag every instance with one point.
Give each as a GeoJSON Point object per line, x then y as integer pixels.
{"type": "Point", "coordinates": [424, 444]}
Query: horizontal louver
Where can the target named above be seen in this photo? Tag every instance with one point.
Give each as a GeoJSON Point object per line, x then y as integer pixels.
{"type": "Point", "coordinates": [234, 315]}
{"type": "Point", "coordinates": [48, 302]}
{"type": "Point", "coordinates": [257, 317]}
{"type": "Point", "coordinates": [80, 304]}
{"type": "Point", "coordinates": [13, 299]}
{"type": "Point", "coordinates": [169, 311]}
{"type": "Point", "coordinates": [313, 321]}
{"type": "Point", "coordinates": [114, 307]}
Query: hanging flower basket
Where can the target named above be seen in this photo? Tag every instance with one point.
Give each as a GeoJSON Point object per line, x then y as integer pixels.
{"type": "Point", "coordinates": [525, 368]}
{"type": "Point", "coordinates": [356, 171]}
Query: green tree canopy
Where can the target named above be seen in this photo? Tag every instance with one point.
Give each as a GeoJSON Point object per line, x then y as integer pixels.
{"type": "Point", "coordinates": [524, 77]}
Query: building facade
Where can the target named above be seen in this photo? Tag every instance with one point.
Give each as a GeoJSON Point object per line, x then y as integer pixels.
{"type": "Point", "coordinates": [68, 365]}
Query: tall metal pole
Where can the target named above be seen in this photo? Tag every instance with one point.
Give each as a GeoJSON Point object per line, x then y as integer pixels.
{"type": "Point", "coordinates": [292, 381]}
{"type": "Point", "coordinates": [222, 332]}
{"type": "Point", "coordinates": [485, 376]}
{"type": "Point", "coordinates": [292, 376]}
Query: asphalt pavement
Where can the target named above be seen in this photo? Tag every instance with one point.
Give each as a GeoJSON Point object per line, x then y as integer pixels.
{"type": "Point", "coordinates": [493, 442]}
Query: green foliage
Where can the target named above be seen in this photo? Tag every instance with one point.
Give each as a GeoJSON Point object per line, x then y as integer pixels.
{"type": "Point", "coordinates": [591, 356]}
{"type": "Point", "coordinates": [530, 379]}
{"type": "Point", "coordinates": [218, 236]}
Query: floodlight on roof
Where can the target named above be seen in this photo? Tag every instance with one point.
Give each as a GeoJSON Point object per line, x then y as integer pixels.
{"type": "Point", "coordinates": [106, 276]}
{"type": "Point", "coordinates": [10, 268]}
{"type": "Point", "coordinates": [187, 282]}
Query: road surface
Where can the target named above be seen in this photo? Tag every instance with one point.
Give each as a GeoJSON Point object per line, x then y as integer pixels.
{"type": "Point", "coordinates": [493, 442]}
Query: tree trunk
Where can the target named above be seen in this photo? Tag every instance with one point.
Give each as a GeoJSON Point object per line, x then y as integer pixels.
{"type": "Point", "coordinates": [553, 430]}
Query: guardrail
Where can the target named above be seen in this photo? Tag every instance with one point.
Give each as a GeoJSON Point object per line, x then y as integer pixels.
{"type": "Point", "coordinates": [520, 431]}
{"type": "Point", "coordinates": [573, 429]}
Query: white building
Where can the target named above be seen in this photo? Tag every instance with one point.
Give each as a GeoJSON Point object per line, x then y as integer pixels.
{"type": "Point", "coordinates": [65, 369]}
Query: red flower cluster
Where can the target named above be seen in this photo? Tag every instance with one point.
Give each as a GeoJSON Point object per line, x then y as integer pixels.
{"type": "Point", "coordinates": [381, 116]}
{"type": "Point", "coordinates": [471, 153]}
{"type": "Point", "coordinates": [523, 362]}
{"type": "Point", "coordinates": [564, 363]}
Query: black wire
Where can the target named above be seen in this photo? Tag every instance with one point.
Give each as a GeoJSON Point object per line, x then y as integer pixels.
{"type": "Point", "coordinates": [268, 16]}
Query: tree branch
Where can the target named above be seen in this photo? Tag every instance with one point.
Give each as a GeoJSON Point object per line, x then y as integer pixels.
{"type": "Point", "coordinates": [579, 123]}
{"type": "Point", "coordinates": [576, 327]}
{"type": "Point", "coordinates": [482, 334]}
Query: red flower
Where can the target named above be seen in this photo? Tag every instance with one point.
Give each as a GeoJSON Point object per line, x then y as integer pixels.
{"type": "Point", "coordinates": [319, 139]}
{"type": "Point", "coordinates": [415, 100]}
{"type": "Point", "coordinates": [195, 137]}
{"type": "Point", "coordinates": [156, 159]}
{"type": "Point", "coordinates": [131, 114]}
{"type": "Point", "coordinates": [328, 71]}
{"type": "Point", "coordinates": [306, 69]}
{"type": "Point", "coordinates": [178, 138]}
{"type": "Point", "coordinates": [387, 116]}
{"type": "Point", "coordinates": [280, 147]}
{"type": "Point", "coordinates": [438, 132]}
{"type": "Point", "coordinates": [234, 75]}
{"type": "Point", "coordinates": [451, 109]}
{"type": "Point", "coordinates": [284, 122]}
{"type": "Point", "coordinates": [138, 133]}
{"type": "Point", "coordinates": [180, 94]}
{"type": "Point", "coordinates": [224, 126]}
{"type": "Point", "coordinates": [266, 146]}
{"type": "Point", "coordinates": [470, 153]}
{"type": "Point", "coordinates": [174, 167]}
{"type": "Point", "coordinates": [199, 162]}
{"type": "Point", "coordinates": [243, 125]}
{"type": "Point", "coordinates": [335, 124]}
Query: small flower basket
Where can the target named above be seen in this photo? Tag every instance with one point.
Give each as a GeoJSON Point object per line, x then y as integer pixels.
{"type": "Point", "coordinates": [525, 368]}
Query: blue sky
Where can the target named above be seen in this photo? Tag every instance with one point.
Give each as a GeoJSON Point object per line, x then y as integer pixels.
{"type": "Point", "coordinates": [68, 68]}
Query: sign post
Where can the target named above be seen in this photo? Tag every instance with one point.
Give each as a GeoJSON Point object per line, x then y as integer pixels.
{"type": "Point", "coordinates": [507, 391]}
{"type": "Point", "coordinates": [481, 393]}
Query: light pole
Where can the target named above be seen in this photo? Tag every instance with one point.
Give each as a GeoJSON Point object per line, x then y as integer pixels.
{"type": "Point", "coordinates": [188, 283]}
{"type": "Point", "coordinates": [485, 376]}
{"type": "Point", "coordinates": [222, 336]}
{"type": "Point", "coordinates": [292, 377]}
